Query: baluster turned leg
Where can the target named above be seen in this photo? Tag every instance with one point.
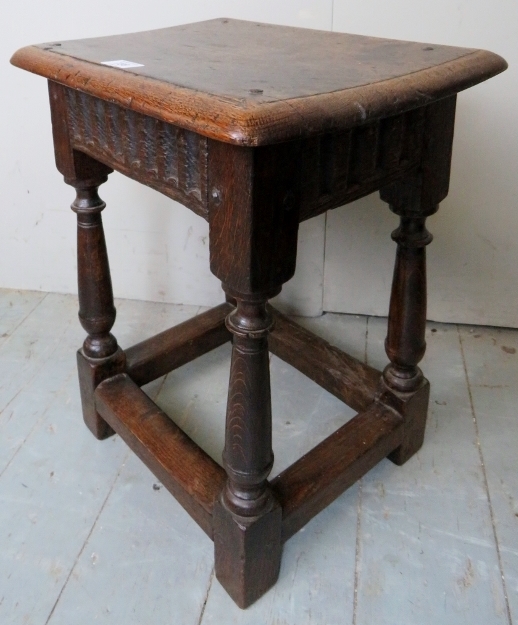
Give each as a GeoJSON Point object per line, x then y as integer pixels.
{"type": "Point", "coordinates": [253, 219]}
{"type": "Point", "coordinates": [247, 520]}
{"type": "Point", "coordinates": [414, 199]}
{"type": "Point", "coordinates": [100, 356]}
{"type": "Point", "coordinates": [405, 343]}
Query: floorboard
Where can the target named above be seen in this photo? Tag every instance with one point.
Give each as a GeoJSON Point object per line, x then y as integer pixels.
{"type": "Point", "coordinates": [491, 359]}
{"type": "Point", "coordinates": [427, 551]}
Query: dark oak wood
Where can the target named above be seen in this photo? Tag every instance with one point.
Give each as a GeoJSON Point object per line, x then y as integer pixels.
{"type": "Point", "coordinates": [247, 521]}
{"type": "Point", "coordinates": [73, 164]}
{"type": "Point", "coordinates": [167, 158]}
{"type": "Point", "coordinates": [277, 91]}
{"type": "Point", "coordinates": [254, 199]}
{"type": "Point", "coordinates": [335, 168]}
{"type": "Point", "coordinates": [405, 344]}
{"type": "Point", "coordinates": [332, 169]}
{"type": "Point", "coordinates": [100, 356]}
{"type": "Point", "coordinates": [168, 350]}
{"type": "Point", "coordinates": [256, 128]}
{"type": "Point", "coordinates": [247, 552]}
{"type": "Point", "coordinates": [413, 407]}
{"type": "Point", "coordinates": [182, 467]}
{"type": "Point", "coordinates": [414, 198]}
{"type": "Point", "coordinates": [96, 308]}
{"type": "Point", "coordinates": [248, 455]}
{"type": "Point", "coordinates": [340, 167]}
{"type": "Point", "coordinates": [350, 380]}
{"type": "Point", "coordinates": [92, 372]}
{"type": "Point", "coordinates": [320, 476]}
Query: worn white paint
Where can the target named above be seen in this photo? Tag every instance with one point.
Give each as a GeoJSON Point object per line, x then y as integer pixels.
{"type": "Point", "coordinates": [158, 249]}
{"type": "Point", "coordinates": [473, 258]}
{"type": "Point", "coordinates": [491, 356]}
{"type": "Point", "coordinates": [426, 532]}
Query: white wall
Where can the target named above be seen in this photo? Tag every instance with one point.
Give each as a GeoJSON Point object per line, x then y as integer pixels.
{"type": "Point", "coordinates": [158, 249]}
{"type": "Point", "coordinates": [473, 260]}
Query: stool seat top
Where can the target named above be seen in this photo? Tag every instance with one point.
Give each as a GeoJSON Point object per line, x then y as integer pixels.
{"type": "Point", "coordinates": [253, 84]}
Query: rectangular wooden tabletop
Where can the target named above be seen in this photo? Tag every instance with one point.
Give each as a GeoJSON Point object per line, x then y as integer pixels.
{"type": "Point", "coordinates": [252, 83]}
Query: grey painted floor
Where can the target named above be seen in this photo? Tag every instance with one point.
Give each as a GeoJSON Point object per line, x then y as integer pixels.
{"type": "Point", "coordinates": [87, 535]}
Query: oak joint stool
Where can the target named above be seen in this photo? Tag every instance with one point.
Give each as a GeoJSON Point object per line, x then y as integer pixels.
{"type": "Point", "coordinates": [256, 128]}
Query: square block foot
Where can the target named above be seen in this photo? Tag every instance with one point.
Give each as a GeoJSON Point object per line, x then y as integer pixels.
{"type": "Point", "coordinates": [247, 552]}
{"type": "Point", "coordinates": [413, 407]}
{"type": "Point", "coordinates": [92, 372]}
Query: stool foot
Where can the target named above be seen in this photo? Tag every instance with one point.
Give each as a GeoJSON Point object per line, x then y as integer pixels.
{"type": "Point", "coordinates": [247, 552]}
{"type": "Point", "coordinates": [407, 390]}
{"type": "Point", "coordinates": [91, 373]}
{"type": "Point", "coordinates": [413, 407]}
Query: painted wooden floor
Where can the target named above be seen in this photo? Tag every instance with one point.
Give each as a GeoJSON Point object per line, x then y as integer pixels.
{"type": "Point", "coordinates": [88, 535]}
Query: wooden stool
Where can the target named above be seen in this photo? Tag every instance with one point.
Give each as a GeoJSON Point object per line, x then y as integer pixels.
{"type": "Point", "coordinates": [256, 128]}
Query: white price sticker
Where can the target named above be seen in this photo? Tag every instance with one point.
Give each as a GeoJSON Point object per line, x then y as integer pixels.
{"type": "Point", "coordinates": [122, 64]}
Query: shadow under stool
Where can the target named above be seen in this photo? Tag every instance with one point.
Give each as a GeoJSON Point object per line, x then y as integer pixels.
{"type": "Point", "coordinates": [256, 128]}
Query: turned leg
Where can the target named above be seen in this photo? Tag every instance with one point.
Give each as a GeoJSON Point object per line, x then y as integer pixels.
{"type": "Point", "coordinates": [247, 519]}
{"type": "Point", "coordinates": [405, 343]}
{"type": "Point", "coordinates": [253, 218]}
{"type": "Point", "coordinates": [414, 199]}
{"type": "Point", "coordinates": [100, 356]}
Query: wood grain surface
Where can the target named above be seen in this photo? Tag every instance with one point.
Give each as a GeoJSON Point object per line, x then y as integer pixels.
{"type": "Point", "coordinates": [321, 475]}
{"type": "Point", "coordinates": [177, 346]}
{"type": "Point", "coordinates": [352, 381]}
{"type": "Point", "coordinates": [249, 83]}
{"type": "Point", "coordinates": [184, 469]}
{"type": "Point", "coordinates": [167, 158]}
